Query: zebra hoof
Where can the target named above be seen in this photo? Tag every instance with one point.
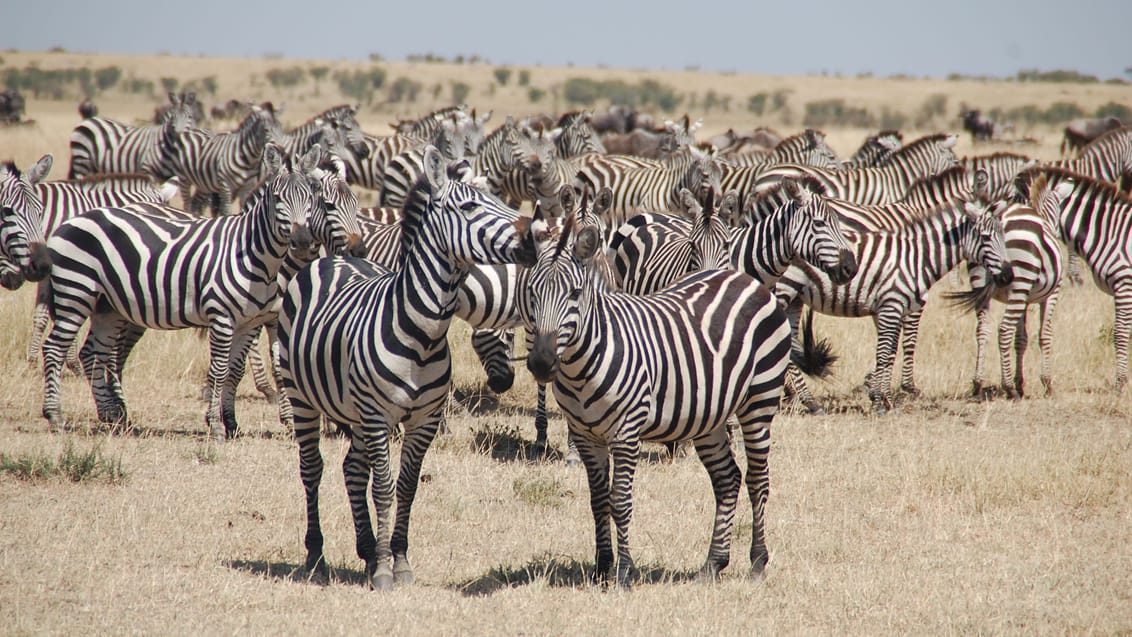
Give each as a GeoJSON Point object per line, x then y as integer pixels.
{"type": "Point", "coordinates": [382, 579]}
{"type": "Point", "coordinates": [708, 573]}
{"type": "Point", "coordinates": [112, 415]}
{"type": "Point", "coordinates": [317, 571]}
{"type": "Point", "coordinates": [402, 572]}
{"type": "Point", "coordinates": [758, 568]}
{"type": "Point", "coordinates": [911, 390]}
{"type": "Point", "coordinates": [573, 460]}
{"type": "Point", "coordinates": [268, 393]}
{"type": "Point", "coordinates": [814, 408]}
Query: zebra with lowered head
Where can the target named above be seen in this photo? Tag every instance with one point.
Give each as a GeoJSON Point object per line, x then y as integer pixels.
{"type": "Point", "coordinates": [369, 349]}
{"type": "Point", "coordinates": [121, 268]}
{"type": "Point", "coordinates": [103, 145]}
{"type": "Point", "coordinates": [667, 367]}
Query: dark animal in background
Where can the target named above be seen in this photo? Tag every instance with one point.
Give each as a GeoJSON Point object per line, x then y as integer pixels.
{"type": "Point", "coordinates": [87, 109]}
{"type": "Point", "coordinates": [1079, 132]}
{"type": "Point", "coordinates": [160, 113]}
{"type": "Point", "coordinates": [980, 126]}
{"type": "Point", "coordinates": [11, 106]}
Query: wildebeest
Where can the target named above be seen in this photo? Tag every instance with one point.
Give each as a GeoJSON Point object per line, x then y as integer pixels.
{"type": "Point", "coordinates": [980, 126]}
{"type": "Point", "coordinates": [1079, 132]}
{"type": "Point", "coordinates": [87, 109]}
{"type": "Point", "coordinates": [11, 106]}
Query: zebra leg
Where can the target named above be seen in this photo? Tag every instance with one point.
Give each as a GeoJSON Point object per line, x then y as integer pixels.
{"type": "Point", "coordinates": [100, 366]}
{"type": "Point", "coordinates": [1045, 339]}
{"type": "Point", "coordinates": [368, 459]}
{"type": "Point", "coordinates": [1007, 332]}
{"type": "Point", "coordinates": [595, 457]}
{"type": "Point", "coordinates": [625, 456]}
{"type": "Point", "coordinates": [982, 334]}
{"type": "Point", "coordinates": [1120, 329]}
{"type": "Point", "coordinates": [714, 451]}
{"type": "Point", "coordinates": [310, 471]}
{"type": "Point", "coordinates": [285, 415]}
{"type": "Point", "coordinates": [795, 379]}
{"type": "Point", "coordinates": [413, 448]}
{"type": "Point", "coordinates": [541, 422]}
{"type": "Point", "coordinates": [1021, 339]}
{"type": "Point", "coordinates": [59, 339]}
{"type": "Point", "coordinates": [887, 322]}
{"type": "Point", "coordinates": [754, 423]}
{"type": "Point", "coordinates": [259, 370]}
{"type": "Point", "coordinates": [220, 335]}
{"type": "Point", "coordinates": [242, 342]}
{"type": "Point", "coordinates": [39, 324]}
{"type": "Point", "coordinates": [1073, 270]}
{"type": "Point", "coordinates": [222, 204]}
{"type": "Point", "coordinates": [910, 334]}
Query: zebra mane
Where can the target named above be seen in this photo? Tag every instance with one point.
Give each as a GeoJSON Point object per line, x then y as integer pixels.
{"type": "Point", "coordinates": [809, 182]}
{"type": "Point", "coordinates": [1001, 154]}
{"type": "Point", "coordinates": [98, 178]}
{"type": "Point", "coordinates": [888, 132]}
{"type": "Point", "coordinates": [1104, 138]}
{"type": "Point", "coordinates": [1026, 178]}
{"type": "Point", "coordinates": [916, 144]}
{"type": "Point", "coordinates": [570, 117]}
{"type": "Point", "coordinates": [1036, 189]}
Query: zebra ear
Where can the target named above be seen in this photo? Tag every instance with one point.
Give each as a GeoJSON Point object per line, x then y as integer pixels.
{"type": "Point", "coordinates": [688, 202]}
{"type": "Point", "coordinates": [272, 160]}
{"type": "Point", "coordinates": [603, 201]}
{"type": "Point", "coordinates": [311, 159]}
{"type": "Point", "coordinates": [483, 119]}
{"type": "Point", "coordinates": [949, 141]}
{"type": "Point", "coordinates": [586, 243]}
{"type": "Point", "coordinates": [37, 172]}
{"type": "Point", "coordinates": [567, 198]}
{"type": "Point", "coordinates": [434, 168]}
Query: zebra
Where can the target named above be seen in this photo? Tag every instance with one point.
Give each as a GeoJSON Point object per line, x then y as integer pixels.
{"type": "Point", "coordinates": [923, 157]}
{"type": "Point", "coordinates": [1034, 249]}
{"type": "Point", "coordinates": [367, 168]}
{"type": "Point", "coordinates": [392, 328]}
{"type": "Point", "coordinates": [57, 201]}
{"type": "Point", "coordinates": [341, 120]}
{"type": "Point", "coordinates": [654, 189]}
{"type": "Point", "coordinates": [102, 145]}
{"type": "Point", "coordinates": [404, 169]}
{"type": "Point", "coordinates": [120, 268]}
{"type": "Point", "coordinates": [21, 222]}
{"type": "Point", "coordinates": [876, 150]}
{"type": "Point", "coordinates": [1095, 221]}
{"type": "Point", "coordinates": [667, 367]}
{"type": "Point", "coordinates": [578, 136]}
{"type": "Point", "coordinates": [225, 164]}
{"type": "Point", "coordinates": [895, 270]}
{"type": "Point", "coordinates": [808, 147]}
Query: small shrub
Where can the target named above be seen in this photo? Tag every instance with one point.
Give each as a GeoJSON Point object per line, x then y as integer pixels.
{"type": "Point", "coordinates": [404, 89]}
{"type": "Point", "coordinates": [502, 74]}
{"type": "Point", "coordinates": [524, 77]}
{"type": "Point", "coordinates": [76, 466]}
{"type": "Point", "coordinates": [545, 492]}
{"type": "Point", "coordinates": [107, 77]}
{"type": "Point", "coordinates": [1115, 109]}
{"type": "Point", "coordinates": [535, 94]}
{"type": "Point", "coordinates": [286, 78]}
{"type": "Point", "coordinates": [460, 92]}
{"type": "Point", "coordinates": [170, 84]}
{"type": "Point", "coordinates": [206, 453]}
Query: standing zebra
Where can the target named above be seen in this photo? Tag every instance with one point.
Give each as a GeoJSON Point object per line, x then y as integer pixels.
{"type": "Point", "coordinates": [21, 222]}
{"type": "Point", "coordinates": [922, 158]}
{"type": "Point", "coordinates": [667, 367]}
{"type": "Point", "coordinates": [1095, 221]}
{"type": "Point", "coordinates": [57, 201]}
{"type": "Point", "coordinates": [1034, 249]}
{"type": "Point", "coordinates": [102, 145]}
{"type": "Point", "coordinates": [895, 270]}
{"type": "Point", "coordinates": [369, 349]}
{"type": "Point", "coordinates": [120, 268]}
{"type": "Point", "coordinates": [876, 150]}
{"type": "Point", "coordinates": [223, 164]}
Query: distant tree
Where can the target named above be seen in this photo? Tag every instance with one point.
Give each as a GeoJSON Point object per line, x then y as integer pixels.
{"type": "Point", "coordinates": [535, 94]}
{"type": "Point", "coordinates": [107, 77]}
{"type": "Point", "coordinates": [502, 74]}
{"type": "Point", "coordinates": [170, 84]}
{"type": "Point", "coordinates": [318, 73]}
{"type": "Point", "coordinates": [524, 77]}
{"type": "Point", "coordinates": [460, 92]}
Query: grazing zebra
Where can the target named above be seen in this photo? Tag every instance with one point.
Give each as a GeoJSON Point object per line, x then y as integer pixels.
{"type": "Point", "coordinates": [223, 164]}
{"type": "Point", "coordinates": [341, 119]}
{"type": "Point", "coordinates": [1080, 132]}
{"type": "Point", "coordinates": [667, 367]}
{"type": "Point", "coordinates": [1095, 221]}
{"type": "Point", "coordinates": [21, 222]}
{"type": "Point", "coordinates": [1034, 249]}
{"type": "Point", "coordinates": [895, 270]}
{"type": "Point", "coordinates": [120, 268]}
{"type": "Point", "coordinates": [578, 136]}
{"type": "Point", "coordinates": [369, 349]}
{"type": "Point", "coordinates": [102, 145]}
{"type": "Point", "coordinates": [808, 147]}
{"type": "Point", "coordinates": [367, 168]}
{"type": "Point", "coordinates": [922, 158]}
{"type": "Point", "coordinates": [876, 150]}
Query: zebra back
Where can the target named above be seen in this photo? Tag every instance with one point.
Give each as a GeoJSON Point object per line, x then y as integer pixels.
{"type": "Point", "coordinates": [876, 150]}
{"type": "Point", "coordinates": [102, 145]}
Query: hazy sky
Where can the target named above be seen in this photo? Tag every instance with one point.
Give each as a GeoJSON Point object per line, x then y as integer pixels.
{"type": "Point", "coordinates": [884, 37]}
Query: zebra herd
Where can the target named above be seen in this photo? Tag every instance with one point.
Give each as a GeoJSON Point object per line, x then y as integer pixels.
{"type": "Point", "coordinates": [661, 297]}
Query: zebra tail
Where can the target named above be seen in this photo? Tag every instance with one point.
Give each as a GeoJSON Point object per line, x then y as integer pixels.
{"type": "Point", "coordinates": [816, 358]}
{"type": "Point", "coordinates": [972, 300]}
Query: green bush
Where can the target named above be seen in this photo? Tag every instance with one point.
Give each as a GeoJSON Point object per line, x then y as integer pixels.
{"type": "Point", "coordinates": [585, 92]}
{"type": "Point", "coordinates": [1115, 109]}
{"type": "Point", "coordinates": [460, 92]}
{"type": "Point", "coordinates": [107, 77]}
{"type": "Point", "coordinates": [286, 78]}
{"type": "Point", "coordinates": [360, 85]}
{"type": "Point", "coordinates": [502, 74]}
{"type": "Point", "coordinates": [404, 89]}
{"type": "Point", "coordinates": [524, 77]}
{"type": "Point", "coordinates": [76, 466]}
{"type": "Point", "coordinates": [835, 112]}
{"type": "Point", "coordinates": [535, 94]}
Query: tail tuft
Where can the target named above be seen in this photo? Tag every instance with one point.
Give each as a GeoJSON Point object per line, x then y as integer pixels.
{"type": "Point", "coordinates": [816, 358]}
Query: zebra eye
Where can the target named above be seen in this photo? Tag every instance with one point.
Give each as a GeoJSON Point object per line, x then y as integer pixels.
{"type": "Point", "coordinates": [575, 293]}
{"type": "Point", "coordinates": [469, 206]}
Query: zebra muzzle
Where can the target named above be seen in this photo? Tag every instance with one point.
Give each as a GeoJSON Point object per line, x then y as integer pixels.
{"type": "Point", "coordinates": [301, 237]}
{"type": "Point", "coordinates": [39, 265]}
{"type": "Point", "coordinates": [846, 267]}
{"type": "Point", "coordinates": [542, 360]}
{"type": "Point", "coordinates": [11, 279]}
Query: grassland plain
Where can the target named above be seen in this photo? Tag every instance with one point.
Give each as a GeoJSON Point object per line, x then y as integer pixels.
{"type": "Point", "coordinates": [946, 517]}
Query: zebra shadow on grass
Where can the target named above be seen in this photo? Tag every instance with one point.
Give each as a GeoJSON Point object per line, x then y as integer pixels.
{"type": "Point", "coordinates": [134, 430]}
{"type": "Point", "coordinates": [288, 572]}
{"type": "Point", "coordinates": [559, 572]}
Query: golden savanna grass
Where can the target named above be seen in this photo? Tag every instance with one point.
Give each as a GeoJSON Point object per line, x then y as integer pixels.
{"type": "Point", "coordinates": [947, 516]}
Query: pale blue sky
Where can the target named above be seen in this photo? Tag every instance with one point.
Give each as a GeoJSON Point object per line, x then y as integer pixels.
{"type": "Point", "coordinates": [883, 37]}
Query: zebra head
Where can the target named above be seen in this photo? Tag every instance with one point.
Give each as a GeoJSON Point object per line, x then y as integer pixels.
{"type": "Point", "coordinates": [334, 216]}
{"type": "Point", "coordinates": [560, 289]}
{"type": "Point", "coordinates": [709, 236]}
{"type": "Point", "coordinates": [808, 147]}
{"type": "Point", "coordinates": [984, 242]}
{"type": "Point", "coordinates": [815, 234]}
{"type": "Point", "coordinates": [471, 130]}
{"type": "Point", "coordinates": [578, 135]}
{"type": "Point", "coordinates": [21, 220]}
{"type": "Point", "coordinates": [10, 277]}
{"type": "Point", "coordinates": [461, 223]}
{"type": "Point", "coordinates": [344, 121]}
{"type": "Point", "coordinates": [288, 194]}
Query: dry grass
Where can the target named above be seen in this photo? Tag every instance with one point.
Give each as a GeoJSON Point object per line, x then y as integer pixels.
{"type": "Point", "coordinates": [948, 516]}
